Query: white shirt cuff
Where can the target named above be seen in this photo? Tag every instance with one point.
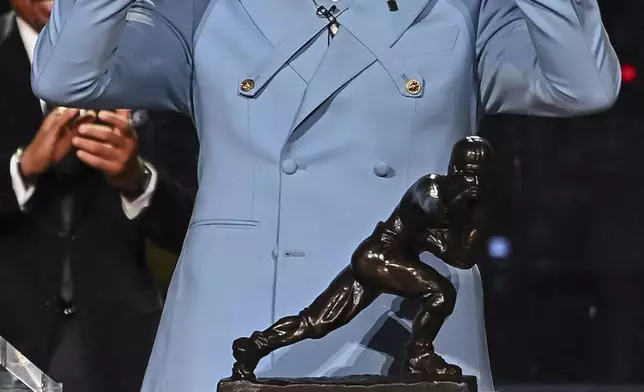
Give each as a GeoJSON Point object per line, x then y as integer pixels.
{"type": "Point", "coordinates": [23, 192]}
{"type": "Point", "coordinates": [134, 208]}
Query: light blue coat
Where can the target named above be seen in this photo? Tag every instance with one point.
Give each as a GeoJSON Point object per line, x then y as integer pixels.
{"type": "Point", "coordinates": [295, 172]}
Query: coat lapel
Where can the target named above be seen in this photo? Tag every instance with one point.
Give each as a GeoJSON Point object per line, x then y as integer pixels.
{"type": "Point", "coordinates": [344, 60]}
{"type": "Point", "coordinates": [367, 30]}
{"type": "Point", "coordinates": [289, 26]}
{"type": "Point", "coordinates": [276, 18]}
{"type": "Point", "coordinates": [376, 25]}
{"type": "Point", "coordinates": [21, 109]}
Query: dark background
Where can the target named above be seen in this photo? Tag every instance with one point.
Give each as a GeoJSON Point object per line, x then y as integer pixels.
{"type": "Point", "coordinates": [565, 305]}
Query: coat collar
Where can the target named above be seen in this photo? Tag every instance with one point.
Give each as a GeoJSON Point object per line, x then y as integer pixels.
{"type": "Point", "coordinates": [367, 30]}
{"type": "Point", "coordinates": [276, 22]}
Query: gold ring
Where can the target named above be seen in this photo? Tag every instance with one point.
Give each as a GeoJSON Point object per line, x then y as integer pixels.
{"type": "Point", "coordinates": [60, 110]}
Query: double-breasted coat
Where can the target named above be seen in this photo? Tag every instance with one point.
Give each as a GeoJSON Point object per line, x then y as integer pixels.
{"type": "Point", "coordinates": [308, 141]}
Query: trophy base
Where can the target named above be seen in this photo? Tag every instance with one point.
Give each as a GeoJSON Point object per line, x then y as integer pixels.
{"type": "Point", "coordinates": [363, 383]}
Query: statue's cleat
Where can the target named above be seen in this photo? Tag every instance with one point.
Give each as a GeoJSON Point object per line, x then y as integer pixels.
{"type": "Point", "coordinates": [432, 364]}
{"type": "Point", "coordinates": [241, 372]}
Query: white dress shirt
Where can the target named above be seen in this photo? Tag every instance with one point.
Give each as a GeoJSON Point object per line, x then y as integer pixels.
{"type": "Point", "coordinates": [131, 208]}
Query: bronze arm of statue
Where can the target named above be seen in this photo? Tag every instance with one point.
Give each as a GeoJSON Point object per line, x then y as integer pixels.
{"type": "Point", "coordinates": [438, 214]}
{"type": "Point", "coordinates": [460, 248]}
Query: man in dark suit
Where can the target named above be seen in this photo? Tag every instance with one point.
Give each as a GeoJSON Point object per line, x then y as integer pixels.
{"type": "Point", "coordinates": [76, 203]}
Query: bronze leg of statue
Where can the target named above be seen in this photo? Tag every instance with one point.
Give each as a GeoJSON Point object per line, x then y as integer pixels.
{"type": "Point", "coordinates": [335, 307]}
{"type": "Point", "coordinates": [391, 269]}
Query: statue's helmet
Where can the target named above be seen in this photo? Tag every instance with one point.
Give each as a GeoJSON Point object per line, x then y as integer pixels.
{"type": "Point", "coordinates": [471, 154]}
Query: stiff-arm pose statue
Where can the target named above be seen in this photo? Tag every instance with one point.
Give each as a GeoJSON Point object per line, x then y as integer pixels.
{"type": "Point", "coordinates": [437, 214]}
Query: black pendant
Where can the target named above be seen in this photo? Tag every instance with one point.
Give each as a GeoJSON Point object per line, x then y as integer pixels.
{"type": "Point", "coordinates": [393, 5]}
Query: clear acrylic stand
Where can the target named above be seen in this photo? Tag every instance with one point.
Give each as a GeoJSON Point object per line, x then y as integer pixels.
{"type": "Point", "coordinates": [17, 373]}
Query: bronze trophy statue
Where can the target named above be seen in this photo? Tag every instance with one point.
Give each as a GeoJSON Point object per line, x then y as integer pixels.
{"type": "Point", "coordinates": [441, 214]}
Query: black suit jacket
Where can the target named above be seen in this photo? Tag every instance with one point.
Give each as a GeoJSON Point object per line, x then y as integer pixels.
{"type": "Point", "coordinates": [115, 295]}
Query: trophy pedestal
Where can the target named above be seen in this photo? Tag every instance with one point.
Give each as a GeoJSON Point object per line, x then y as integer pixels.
{"type": "Point", "coordinates": [364, 383]}
{"type": "Point", "coordinates": [8, 383]}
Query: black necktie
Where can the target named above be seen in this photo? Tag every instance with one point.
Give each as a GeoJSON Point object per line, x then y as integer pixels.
{"type": "Point", "coordinates": [66, 211]}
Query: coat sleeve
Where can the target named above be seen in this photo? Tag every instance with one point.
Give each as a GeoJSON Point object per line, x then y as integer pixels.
{"type": "Point", "coordinates": [109, 54]}
{"type": "Point", "coordinates": [170, 144]}
{"type": "Point", "coordinates": [545, 57]}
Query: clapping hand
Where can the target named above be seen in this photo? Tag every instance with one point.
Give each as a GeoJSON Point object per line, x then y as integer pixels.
{"type": "Point", "coordinates": [111, 147]}
{"type": "Point", "coordinates": [53, 140]}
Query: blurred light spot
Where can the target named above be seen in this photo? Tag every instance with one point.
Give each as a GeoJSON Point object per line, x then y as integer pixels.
{"type": "Point", "coordinates": [629, 73]}
{"type": "Point", "coordinates": [592, 312]}
{"type": "Point", "coordinates": [499, 247]}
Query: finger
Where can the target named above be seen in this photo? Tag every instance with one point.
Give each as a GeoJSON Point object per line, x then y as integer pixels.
{"type": "Point", "coordinates": [58, 117]}
{"type": "Point", "coordinates": [101, 133]}
{"type": "Point", "coordinates": [127, 113]}
{"type": "Point", "coordinates": [103, 150]}
{"type": "Point", "coordinates": [84, 112]}
{"type": "Point", "coordinates": [118, 120]}
{"type": "Point", "coordinates": [84, 117]}
{"type": "Point", "coordinates": [98, 163]}
{"type": "Point", "coordinates": [63, 145]}
{"type": "Point", "coordinates": [64, 116]}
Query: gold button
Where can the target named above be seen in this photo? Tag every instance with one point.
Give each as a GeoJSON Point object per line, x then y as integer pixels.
{"type": "Point", "coordinates": [247, 85]}
{"type": "Point", "coordinates": [413, 87]}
